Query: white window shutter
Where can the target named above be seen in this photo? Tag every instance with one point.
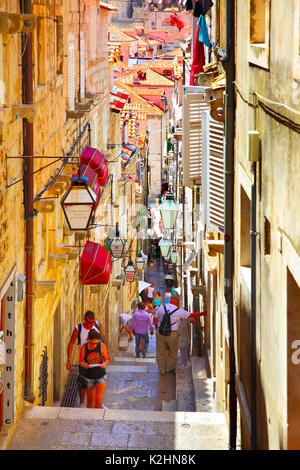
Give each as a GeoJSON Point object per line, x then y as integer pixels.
{"type": "Point", "coordinates": [194, 103]}
{"type": "Point", "coordinates": [213, 172]}
{"type": "Point", "coordinates": [71, 75]}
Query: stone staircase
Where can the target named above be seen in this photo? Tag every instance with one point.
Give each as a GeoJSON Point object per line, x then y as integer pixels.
{"type": "Point", "coordinates": [145, 412]}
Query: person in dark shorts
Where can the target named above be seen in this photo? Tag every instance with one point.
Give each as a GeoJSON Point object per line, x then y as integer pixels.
{"type": "Point", "coordinates": [93, 359]}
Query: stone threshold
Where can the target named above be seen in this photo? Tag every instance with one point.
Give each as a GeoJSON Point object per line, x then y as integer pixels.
{"type": "Point", "coordinates": [177, 417]}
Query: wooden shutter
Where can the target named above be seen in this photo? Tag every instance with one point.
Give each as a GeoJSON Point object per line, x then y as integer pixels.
{"type": "Point", "coordinates": [213, 172]}
{"type": "Point", "coordinates": [193, 105]}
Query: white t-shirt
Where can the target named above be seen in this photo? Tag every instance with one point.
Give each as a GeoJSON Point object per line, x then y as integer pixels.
{"type": "Point", "coordinates": [84, 335]}
{"type": "Point", "coordinates": [151, 292]}
{"type": "Point", "coordinates": [175, 317]}
{"type": "Point", "coordinates": [125, 318]}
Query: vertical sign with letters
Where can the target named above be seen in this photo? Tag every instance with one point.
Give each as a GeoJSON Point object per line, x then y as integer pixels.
{"type": "Point", "coordinates": [9, 370]}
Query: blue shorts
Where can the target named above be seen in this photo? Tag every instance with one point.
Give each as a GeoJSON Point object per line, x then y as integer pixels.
{"type": "Point", "coordinates": [93, 382]}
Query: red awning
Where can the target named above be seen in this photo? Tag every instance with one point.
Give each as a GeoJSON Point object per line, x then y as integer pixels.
{"type": "Point", "coordinates": [96, 160]}
{"type": "Point", "coordinates": [93, 180]}
{"type": "Point", "coordinates": [95, 264]}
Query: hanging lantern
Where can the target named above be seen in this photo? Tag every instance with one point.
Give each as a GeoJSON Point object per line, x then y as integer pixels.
{"type": "Point", "coordinates": [174, 256]}
{"type": "Point", "coordinates": [164, 247]}
{"type": "Point", "coordinates": [95, 160]}
{"type": "Point", "coordinates": [95, 264]}
{"type": "Point", "coordinates": [140, 262]}
{"type": "Point", "coordinates": [117, 245]}
{"type": "Point", "coordinates": [79, 203]}
{"type": "Point", "coordinates": [168, 210]}
{"type": "Point", "coordinates": [129, 271]}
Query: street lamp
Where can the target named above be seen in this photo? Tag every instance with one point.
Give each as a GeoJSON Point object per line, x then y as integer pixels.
{"type": "Point", "coordinates": [169, 210]}
{"type": "Point", "coordinates": [165, 246]}
{"type": "Point", "coordinates": [129, 271]}
{"type": "Point", "coordinates": [140, 262]}
{"type": "Point", "coordinates": [79, 203]}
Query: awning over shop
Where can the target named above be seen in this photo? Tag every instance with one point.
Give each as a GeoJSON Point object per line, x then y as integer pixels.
{"type": "Point", "coordinates": [118, 100]}
{"type": "Point", "coordinates": [95, 264]}
{"type": "Point", "coordinates": [128, 151]}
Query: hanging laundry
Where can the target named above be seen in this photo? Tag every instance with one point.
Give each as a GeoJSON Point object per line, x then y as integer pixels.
{"type": "Point", "coordinates": [175, 20]}
{"type": "Point", "coordinates": [198, 58]}
{"type": "Point", "coordinates": [202, 7]}
{"type": "Point", "coordinates": [188, 4]}
{"type": "Point", "coordinates": [203, 31]}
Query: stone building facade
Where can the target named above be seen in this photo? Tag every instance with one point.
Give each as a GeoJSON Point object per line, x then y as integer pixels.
{"type": "Point", "coordinates": [70, 110]}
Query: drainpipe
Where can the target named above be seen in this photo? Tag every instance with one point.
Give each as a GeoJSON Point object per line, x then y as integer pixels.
{"type": "Point", "coordinates": [229, 65]}
{"type": "Point", "coordinates": [27, 82]}
{"type": "Point", "coordinates": [253, 235]}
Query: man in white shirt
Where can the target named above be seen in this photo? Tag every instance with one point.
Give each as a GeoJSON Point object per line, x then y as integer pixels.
{"type": "Point", "coordinates": [167, 346]}
{"type": "Point", "coordinates": [125, 320]}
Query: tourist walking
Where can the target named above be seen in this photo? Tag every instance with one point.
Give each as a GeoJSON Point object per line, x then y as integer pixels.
{"type": "Point", "coordinates": [167, 346]}
{"type": "Point", "coordinates": [167, 296]}
{"type": "Point", "coordinates": [79, 336]}
{"type": "Point", "coordinates": [125, 320]}
{"type": "Point", "coordinates": [151, 293]}
{"type": "Point", "coordinates": [141, 322]}
{"type": "Point", "coordinates": [157, 300]}
{"type": "Point", "coordinates": [93, 359]}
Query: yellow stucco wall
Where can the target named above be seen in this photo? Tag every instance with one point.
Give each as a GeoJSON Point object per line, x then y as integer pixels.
{"type": "Point", "coordinates": [57, 311]}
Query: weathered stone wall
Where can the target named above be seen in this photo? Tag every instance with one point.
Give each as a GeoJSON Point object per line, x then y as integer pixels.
{"type": "Point", "coordinates": [271, 74]}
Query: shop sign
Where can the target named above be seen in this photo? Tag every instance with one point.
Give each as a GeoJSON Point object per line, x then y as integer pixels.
{"type": "Point", "coordinates": [9, 369]}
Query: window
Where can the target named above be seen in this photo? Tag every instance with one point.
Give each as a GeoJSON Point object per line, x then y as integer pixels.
{"type": "Point", "coordinates": [258, 21]}
{"type": "Point", "coordinates": [267, 237]}
{"type": "Point", "coordinates": [297, 47]}
{"type": "Point", "coordinates": [213, 172]}
{"type": "Point", "coordinates": [259, 37]}
{"type": "Point", "coordinates": [59, 45]}
{"type": "Point", "coordinates": [93, 33]}
{"type": "Point", "coordinates": [293, 360]}
{"type": "Point", "coordinates": [2, 83]}
{"type": "Point", "coordinates": [82, 66]}
{"type": "Point", "coordinates": [95, 131]}
{"type": "Point", "coordinates": [71, 73]}
{"type": "Point", "coordinates": [41, 51]}
{"type": "Point", "coordinates": [244, 229]}
{"type": "Point", "coordinates": [194, 104]}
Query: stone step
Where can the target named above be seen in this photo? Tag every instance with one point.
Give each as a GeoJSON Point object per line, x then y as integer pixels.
{"type": "Point", "coordinates": [202, 386]}
{"type": "Point", "coordinates": [184, 388]}
{"type": "Point", "coordinates": [180, 417]}
{"type": "Point", "coordinates": [134, 360]}
{"type": "Point", "coordinates": [169, 405]}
